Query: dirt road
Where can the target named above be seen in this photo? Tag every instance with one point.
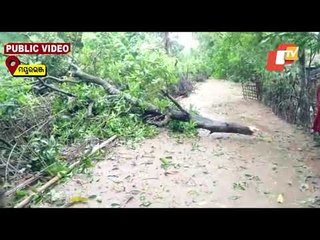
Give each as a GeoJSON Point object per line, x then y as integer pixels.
{"type": "Point", "coordinates": [277, 167]}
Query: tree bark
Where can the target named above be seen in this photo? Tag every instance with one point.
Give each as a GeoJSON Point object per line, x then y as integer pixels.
{"type": "Point", "coordinates": [166, 40]}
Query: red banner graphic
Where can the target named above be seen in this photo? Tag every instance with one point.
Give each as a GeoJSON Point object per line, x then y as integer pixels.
{"type": "Point", "coordinates": [37, 48]}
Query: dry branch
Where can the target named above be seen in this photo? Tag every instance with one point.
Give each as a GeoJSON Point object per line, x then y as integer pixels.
{"type": "Point", "coordinates": [175, 102]}
{"type": "Point", "coordinates": [102, 145]}
{"type": "Point", "coordinates": [41, 189]}
{"type": "Point", "coordinates": [52, 181]}
{"type": "Point", "coordinates": [23, 184]}
{"type": "Point", "coordinates": [58, 79]}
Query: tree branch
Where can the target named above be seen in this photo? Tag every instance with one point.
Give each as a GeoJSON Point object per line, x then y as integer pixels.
{"type": "Point", "coordinates": [175, 102]}
{"type": "Point", "coordinates": [58, 79]}
{"type": "Point", "coordinates": [112, 90]}
{"type": "Point", "coordinates": [56, 89]}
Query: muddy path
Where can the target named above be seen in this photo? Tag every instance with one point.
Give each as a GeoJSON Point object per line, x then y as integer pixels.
{"type": "Point", "coordinates": [277, 167]}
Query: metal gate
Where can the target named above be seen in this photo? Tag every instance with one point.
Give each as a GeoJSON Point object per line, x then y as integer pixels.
{"type": "Point", "coordinates": [252, 89]}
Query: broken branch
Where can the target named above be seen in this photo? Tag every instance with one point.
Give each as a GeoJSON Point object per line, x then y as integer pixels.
{"type": "Point", "coordinates": [102, 145]}
{"type": "Point", "coordinates": [58, 79]}
{"type": "Point", "coordinates": [41, 189]}
{"type": "Point", "coordinates": [182, 115]}
{"type": "Point", "coordinates": [56, 89]}
{"type": "Point", "coordinates": [174, 102]}
{"type": "Point", "coordinates": [24, 184]}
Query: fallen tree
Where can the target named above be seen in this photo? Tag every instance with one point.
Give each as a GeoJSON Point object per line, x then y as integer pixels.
{"type": "Point", "coordinates": [154, 116]}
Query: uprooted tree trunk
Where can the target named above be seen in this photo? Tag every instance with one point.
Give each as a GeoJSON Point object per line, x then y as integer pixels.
{"type": "Point", "coordinates": [152, 111]}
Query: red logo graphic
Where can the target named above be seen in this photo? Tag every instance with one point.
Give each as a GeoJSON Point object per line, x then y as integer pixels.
{"type": "Point", "coordinates": [285, 54]}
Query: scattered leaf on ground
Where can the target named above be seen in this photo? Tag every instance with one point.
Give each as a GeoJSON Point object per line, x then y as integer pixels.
{"type": "Point", "coordinates": [142, 198]}
{"type": "Point", "coordinates": [165, 162]}
{"type": "Point", "coordinates": [234, 197]}
{"type": "Point", "coordinates": [252, 177]}
{"type": "Point", "coordinates": [118, 188]}
{"type": "Point", "coordinates": [114, 178]}
{"type": "Point", "coordinates": [242, 168]}
{"type": "Point", "coordinates": [77, 199]}
{"type": "Point", "coordinates": [268, 139]}
{"type": "Point", "coordinates": [21, 193]}
{"type": "Point", "coordinates": [170, 173]}
{"type": "Point", "coordinates": [127, 201]}
{"type": "Point", "coordinates": [134, 192]}
{"type": "Point", "coordinates": [202, 149]}
{"type": "Point", "coordinates": [145, 204]}
{"type": "Point", "coordinates": [202, 203]}
{"type": "Point", "coordinates": [115, 205]}
{"type": "Point", "coordinates": [191, 182]}
{"type": "Point", "coordinates": [240, 186]}
{"type": "Point", "coordinates": [304, 187]}
{"type": "Point", "coordinates": [193, 192]}
{"type": "Point", "coordinates": [280, 198]}
{"type": "Point", "coordinates": [222, 167]}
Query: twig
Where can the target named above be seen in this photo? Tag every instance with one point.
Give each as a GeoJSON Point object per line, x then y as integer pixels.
{"type": "Point", "coordinates": [148, 156]}
{"type": "Point", "coordinates": [59, 79]}
{"type": "Point", "coordinates": [6, 176]}
{"type": "Point", "coordinates": [90, 109]}
{"type": "Point", "coordinates": [41, 125]}
{"type": "Point", "coordinates": [23, 184]}
{"type": "Point", "coordinates": [12, 168]}
{"type": "Point", "coordinates": [174, 102]}
{"type": "Point", "coordinates": [127, 200]}
{"type": "Point", "coordinates": [73, 65]}
{"type": "Point", "coordinates": [27, 200]}
{"type": "Point", "coordinates": [6, 143]}
{"type": "Point", "coordinates": [151, 178]}
{"type": "Point", "coordinates": [27, 182]}
{"type": "Point", "coordinates": [56, 89]}
{"type": "Point", "coordinates": [102, 145]}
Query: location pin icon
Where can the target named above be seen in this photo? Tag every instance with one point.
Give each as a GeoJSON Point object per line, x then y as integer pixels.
{"type": "Point", "coordinates": [12, 63]}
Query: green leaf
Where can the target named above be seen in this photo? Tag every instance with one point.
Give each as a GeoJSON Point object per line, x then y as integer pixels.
{"type": "Point", "coordinates": [115, 205]}
{"type": "Point", "coordinates": [78, 199]}
{"type": "Point", "coordinates": [21, 193]}
{"type": "Point", "coordinates": [240, 186]}
{"type": "Point", "coordinates": [146, 204]}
